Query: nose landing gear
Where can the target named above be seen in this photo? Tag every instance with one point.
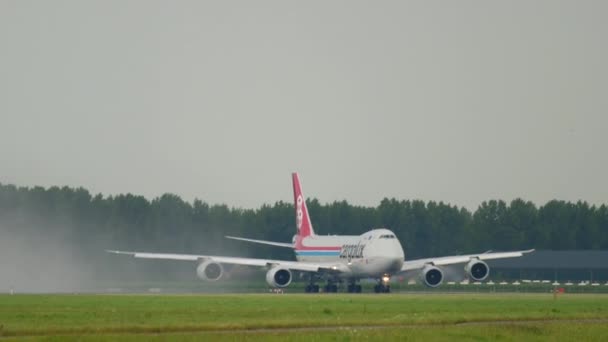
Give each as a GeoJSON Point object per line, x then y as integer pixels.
{"type": "Point", "coordinates": [381, 288]}
{"type": "Point", "coordinates": [383, 285]}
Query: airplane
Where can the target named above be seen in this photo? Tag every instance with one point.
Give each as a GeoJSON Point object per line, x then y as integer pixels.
{"type": "Point", "coordinates": [376, 254]}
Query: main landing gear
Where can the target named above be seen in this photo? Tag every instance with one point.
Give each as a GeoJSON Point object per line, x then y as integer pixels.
{"type": "Point", "coordinates": [383, 285]}
{"type": "Point", "coordinates": [312, 288]}
{"type": "Point", "coordinates": [353, 287]}
{"type": "Point", "coordinates": [331, 288]}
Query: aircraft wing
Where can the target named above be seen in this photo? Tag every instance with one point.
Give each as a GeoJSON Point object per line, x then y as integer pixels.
{"type": "Point", "coordinates": [460, 259]}
{"type": "Point", "coordinates": [263, 242]}
{"type": "Point", "coordinates": [292, 265]}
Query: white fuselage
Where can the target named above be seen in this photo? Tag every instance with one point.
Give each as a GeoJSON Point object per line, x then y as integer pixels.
{"type": "Point", "coordinates": [373, 254]}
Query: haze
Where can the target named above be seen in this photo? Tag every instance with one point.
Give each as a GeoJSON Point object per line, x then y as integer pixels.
{"type": "Point", "coordinates": [455, 101]}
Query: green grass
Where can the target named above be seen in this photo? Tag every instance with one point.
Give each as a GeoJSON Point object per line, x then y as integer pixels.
{"type": "Point", "coordinates": [258, 285]}
{"type": "Point", "coordinates": [273, 317]}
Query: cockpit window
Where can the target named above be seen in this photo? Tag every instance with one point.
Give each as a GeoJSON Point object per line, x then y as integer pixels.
{"type": "Point", "coordinates": [387, 236]}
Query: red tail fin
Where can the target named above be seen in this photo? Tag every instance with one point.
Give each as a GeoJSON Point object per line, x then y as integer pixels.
{"type": "Point", "coordinates": [302, 219]}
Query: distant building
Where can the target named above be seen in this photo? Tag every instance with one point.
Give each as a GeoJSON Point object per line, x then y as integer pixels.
{"type": "Point", "coordinates": [576, 265]}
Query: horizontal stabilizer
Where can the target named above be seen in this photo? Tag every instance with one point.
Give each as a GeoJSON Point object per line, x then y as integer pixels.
{"type": "Point", "coordinates": [263, 242]}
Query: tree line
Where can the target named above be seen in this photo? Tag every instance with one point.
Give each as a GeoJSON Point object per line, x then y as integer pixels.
{"type": "Point", "coordinates": [169, 224]}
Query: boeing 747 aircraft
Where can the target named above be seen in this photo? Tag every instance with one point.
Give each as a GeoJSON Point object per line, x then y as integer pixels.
{"type": "Point", "coordinates": [337, 259]}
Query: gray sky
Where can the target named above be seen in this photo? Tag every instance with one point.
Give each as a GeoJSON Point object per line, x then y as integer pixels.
{"type": "Point", "coordinates": [460, 101]}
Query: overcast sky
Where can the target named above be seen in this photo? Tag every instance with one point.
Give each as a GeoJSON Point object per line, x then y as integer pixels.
{"type": "Point", "coordinates": [459, 101]}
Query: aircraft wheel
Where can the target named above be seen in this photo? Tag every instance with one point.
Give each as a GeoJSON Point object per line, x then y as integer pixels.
{"type": "Point", "coordinates": [380, 288]}
{"type": "Point", "coordinates": [331, 288]}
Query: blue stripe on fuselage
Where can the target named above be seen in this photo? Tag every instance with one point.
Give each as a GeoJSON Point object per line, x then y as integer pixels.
{"type": "Point", "coordinates": [329, 253]}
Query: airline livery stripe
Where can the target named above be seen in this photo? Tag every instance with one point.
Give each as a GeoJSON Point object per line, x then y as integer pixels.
{"type": "Point", "coordinates": [306, 248]}
{"type": "Point", "coordinates": [329, 253]}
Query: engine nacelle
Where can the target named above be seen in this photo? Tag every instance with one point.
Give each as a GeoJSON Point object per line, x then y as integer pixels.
{"type": "Point", "coordinates": [209, 270]}
{"type": "Point", "coordinates": [477, 270]}
{"type": "Point", "coordinates": [278, 277]}
{"type": "Point", "coordinates": [432, 276]}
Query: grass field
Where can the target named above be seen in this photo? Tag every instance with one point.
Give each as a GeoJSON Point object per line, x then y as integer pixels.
{"type": "Point", "coordinates": [305, 317]}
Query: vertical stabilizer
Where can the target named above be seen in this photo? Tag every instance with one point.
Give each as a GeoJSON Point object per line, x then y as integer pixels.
{"type": "Point", "coordinates": [302, 218]}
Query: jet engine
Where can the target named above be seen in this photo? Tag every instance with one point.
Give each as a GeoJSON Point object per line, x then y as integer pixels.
{"type": "Point", "coordinates": [209, 270]}
{"type": "Point", "coordinates": [477, 270]}
{"type": "Point", "coordinates": [431, 276]}
{"type": "Point", "coordinates": [278, 277]}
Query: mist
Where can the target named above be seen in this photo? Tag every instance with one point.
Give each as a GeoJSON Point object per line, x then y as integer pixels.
{"type": "Point", "coordinates": [40, 255]}
{"type": "Point", "coordinates": [35, 262]}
